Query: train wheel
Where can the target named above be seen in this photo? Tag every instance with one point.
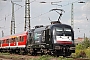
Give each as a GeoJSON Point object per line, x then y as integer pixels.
{"type": "Point", "coordinates": [21, 51]}
{"type": "Point", "coordinates": [33, 52]}
{"type": "Point", "coordinates": [52, 53]}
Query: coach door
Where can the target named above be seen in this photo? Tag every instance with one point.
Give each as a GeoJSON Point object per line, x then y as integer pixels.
{"type": "Point", "coordinates": [16, 41]}
{"type": "Point", "coordinates": [0, 44]}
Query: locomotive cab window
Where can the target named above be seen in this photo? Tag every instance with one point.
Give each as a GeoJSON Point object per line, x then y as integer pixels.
{"type": "Point", "coordinates": [62, 34]}
{"type": "Point", "coordinates": [59, 31]}
{"type": "Point", "coordinates": [67, 31]}
{"type": "Point", "coordinates": [62, 31]}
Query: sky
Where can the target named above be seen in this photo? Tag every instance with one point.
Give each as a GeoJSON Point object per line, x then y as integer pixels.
{"type": "Point", "coordinates": [40, 15]}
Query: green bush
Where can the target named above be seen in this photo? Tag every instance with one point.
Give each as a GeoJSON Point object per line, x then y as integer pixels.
{"type": "Point", "coordinates": [84, 45]}
{"type": "Point", "coordinates": [82, 49]}
{"type": "Point", "coordinates": [88, 52]}
{"type": "Point", "coordinates": [79, 47]}
{"type": "Point", "coordinates": [79, 54]}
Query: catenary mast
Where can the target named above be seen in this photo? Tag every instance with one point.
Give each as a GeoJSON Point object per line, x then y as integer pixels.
{"type": "Point", "coordinates": [12, 20]}
{"type": "Point", "coordinates": [27, 15]}
{"type": "Point", "coordinates": [72, 17]}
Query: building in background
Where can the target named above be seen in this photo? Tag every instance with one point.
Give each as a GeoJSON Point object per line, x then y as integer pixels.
{"type": "Point", "coordinates": [79, 40]}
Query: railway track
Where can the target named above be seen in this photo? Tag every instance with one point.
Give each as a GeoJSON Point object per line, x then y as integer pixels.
{"type": "Point", "coordinates": [26, 57]}
{"type": "Point", "coordinates": [51, 59]}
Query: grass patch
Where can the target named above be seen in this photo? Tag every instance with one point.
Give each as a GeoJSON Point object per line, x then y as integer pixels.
{"type": "Point", "coordinates": [4, 53]}
{"type": "Point", "coordinates": [48, 57]}
{"type": "Point", "coordinates": [45, 57]}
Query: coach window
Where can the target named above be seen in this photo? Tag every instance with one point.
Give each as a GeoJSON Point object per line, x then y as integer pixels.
{"type": "Point", "coordinates": [12, 40]}
{"type": "Point", "coordinates": [22, 38]}
{"type": "Point", "coordinates": [19, 38]}
{"type": "Point", "coordinates": [7, 40]}
{"type": "Point", "coordinates": [0, 42]}
{"type": "Point", "coordinates": [3, 41]}
{"type": "Point", "coordinates": [16, 39]}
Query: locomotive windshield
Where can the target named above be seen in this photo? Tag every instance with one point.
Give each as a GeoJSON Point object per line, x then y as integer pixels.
{"type": "Point", "coordinates": [62, 34]}
{"type": "Point", "coordinates": [62, 31]}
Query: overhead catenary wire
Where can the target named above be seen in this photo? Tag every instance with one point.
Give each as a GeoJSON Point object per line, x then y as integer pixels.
{"type": "Point", "coordinates": [11, 13]}
{"type": "Point", "coordinates": [48, 12]}
{"type": "Point", "coordinates": [16, 10]}
{"type": "Point", "coordinates": [41, 14]}
{"type": "Point", "coordinates": [38, 15]}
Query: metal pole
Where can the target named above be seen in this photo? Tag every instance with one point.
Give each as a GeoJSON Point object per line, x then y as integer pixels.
{"type": "Point", "coordinates": [84, 37]}
{"type": "Point", "coordinates": [2, 33]}
{"type": "Point", "coordinates": [72, 16]}
{"type": "Point", "coordinates": [12, 20]}
{"type": "Point", "coordinates": [27, 15]}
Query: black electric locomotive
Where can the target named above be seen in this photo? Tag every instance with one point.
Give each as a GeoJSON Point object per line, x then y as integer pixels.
{"type": "Point", "coordinates": [55, 39]}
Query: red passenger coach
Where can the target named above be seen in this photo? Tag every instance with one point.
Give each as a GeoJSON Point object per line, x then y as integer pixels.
{"type": "Point", "coordinates": [12, 42]}
{"type": "Point", "coordinates": [4, 42]}
{"type": "Point", "coordinates": [15, 42]}
{"type": "Point", "coordinates": [22, 40]}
